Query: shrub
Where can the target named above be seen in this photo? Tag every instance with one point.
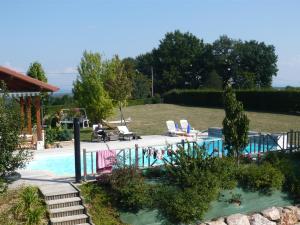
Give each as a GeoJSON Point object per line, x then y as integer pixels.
{"type": "Point", "coordinates": [129, 188]}
{"type": "Point", "coordinates": [289, 165]}
{"type": "Point", "coordinates": [30, 207]}
{"type": "Point", "coordinates": [99, 205]}
{"type": "Point", "coordinates": [261, 100]}
{"type": "Point", "coordinates": [57, 134]}
{"type": "Point", "coordinates": [262, 177]}
{"type": "Point", "coordinates": [10, 130]}
{"type": "Point", "coordinates": [179, 206]}
{"type": "Point", "coordinates": [198, 179]}
{"type": "Point", "coordinates": [64, 135]}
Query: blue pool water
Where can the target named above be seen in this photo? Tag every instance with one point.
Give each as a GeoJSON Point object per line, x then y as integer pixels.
{"type": "Point", "coordinates": [63, 165]}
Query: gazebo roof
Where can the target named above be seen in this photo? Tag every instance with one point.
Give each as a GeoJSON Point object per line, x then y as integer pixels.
{"type": "Point", "coordinates": [18, 82]}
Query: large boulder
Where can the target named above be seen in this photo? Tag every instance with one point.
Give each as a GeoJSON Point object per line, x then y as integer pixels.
{"type": "Point", "coordinates": [220, 221]}
{"type": "Point", "coordinates": [271, 214]}
{"type": "Point", "coordinates": [288, 217]}
{"type": "Point", "coordinates": [258, 219]}
{"type": "Point", "coordinates": [295, 210]}
{"type": "Point", "coordinates": [237, 219]}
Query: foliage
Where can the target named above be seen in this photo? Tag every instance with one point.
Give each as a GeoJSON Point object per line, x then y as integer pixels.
{"type": "Point", "coordinates": [289, 165]}
{"type": "Point", "coordinates": [89, 90]}
{"type": "Point", "coordinates": [57, 134]}
{"type": "Point", "coordinates": [174, 61]}
{"type": "Point", "coordinates": [244, 80]}
{"type": "Point", "coordinates": [36, 71]}
{"type": "Point", "coordinates": [99, 205]}
{"type": "Point", "coordinates": [213, 81]}
{"type": "Point", "coordinates": [198, 179]}
{"type": "Point", "coordinates": [184, 61]}
{"type": "Point", "coordinates": [141, 86]}
{"type": "Point", "coordinates": [181, 206]}
{"type": "Point", "coordinates": [235, 124]}
{"type": "Point", "coordinates": [29, 207]}
{"type": "Point", "coordinates": [10, 130]}
{"type": "Point", "coordinates": [117, 83]}
{"type": "Point", "coordinates": [67, 100]}
{"type": "Point", "coordinates": [264, 177]}
{"type": "Point", "coordinates": [235, 198]}
{"type": "Point", "coordinates": [259, 100]}
{"type": "Point", "coordinates": [129, 189]}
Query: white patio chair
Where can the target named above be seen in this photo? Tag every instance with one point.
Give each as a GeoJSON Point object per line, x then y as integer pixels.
{"type": "Point", "coordinates": [124, 133]}
{"type": "Point", "coordinates": [172, 131]}
{"type": "Point", "coordinates": [184, 127]}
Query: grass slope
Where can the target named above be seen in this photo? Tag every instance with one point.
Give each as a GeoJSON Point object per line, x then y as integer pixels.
{"type": "Point", "coordinates": [150, 119]}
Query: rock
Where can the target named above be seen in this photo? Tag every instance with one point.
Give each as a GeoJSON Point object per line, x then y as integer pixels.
{"type": "Point", "coordinates": [237, 219]}
{"type": "Point", "coordinates": [217, 222]}
{"type": "Point", "coordinates": [258, 219]}
{"type": "Point", "coordinates": [296, 211]}
{"type": "Point", "coordinates": [288, 217]}
{"type": "Point", "coordinates": [271, 213]}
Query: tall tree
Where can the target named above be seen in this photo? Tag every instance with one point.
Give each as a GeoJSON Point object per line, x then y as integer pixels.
{"type": "Point", "coordinates": [256, 58]}
{"type": "Point", "coordinates": [36, 71]}
{"type": "Point", "coordinates": [118, 84]}
{"type": "Point", "coordinates": [88, 89]}
{"type": "Point", "coordinates": [223, 51]}
{"type": "Point", "coordinates": [213, 81]}
{"type": "Point", "coordinates": [235, 124]}
{"type": "Point", "coordinates": [10, 131]}
{"type": "Point", "coordinates": [141, 85]}
{"type": "Point", "coordinates": [174, 61]}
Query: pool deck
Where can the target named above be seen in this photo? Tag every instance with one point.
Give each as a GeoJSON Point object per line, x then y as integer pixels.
{"type": "Point", "coordinates": [40, 178]}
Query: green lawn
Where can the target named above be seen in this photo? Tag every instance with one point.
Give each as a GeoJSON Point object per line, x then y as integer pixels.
{"type": "Point", "coordinates": [150, 119]}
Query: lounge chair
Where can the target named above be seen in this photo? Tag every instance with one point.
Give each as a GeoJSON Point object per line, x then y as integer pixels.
{"type": "Point", "coordinates": [172, 130]}
{"type": "Point", "coordinates": [186, 127]}
{"type": "Point", "coordinates": [124, 133]}
{"type": "Point", "coordinates": [99, 134]}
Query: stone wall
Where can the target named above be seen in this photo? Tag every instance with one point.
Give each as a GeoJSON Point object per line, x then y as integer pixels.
{"type": "Point", "coordinates": [289, 215]}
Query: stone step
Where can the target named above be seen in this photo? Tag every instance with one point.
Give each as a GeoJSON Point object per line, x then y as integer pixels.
{"type": "Point", "coordinates": [61, 196]}
{"type": "Point", "coordinates": [51, 192]}
{"type": "Point", "coordinates": [65, 202]}
{"type": "Point", "coordinates": [69, 220]}
{"type": "Point", "coordinates": [66, 211]}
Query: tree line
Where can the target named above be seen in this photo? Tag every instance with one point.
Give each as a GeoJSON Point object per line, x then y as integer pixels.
{"type": "Point", "coordinates": [184, 61]}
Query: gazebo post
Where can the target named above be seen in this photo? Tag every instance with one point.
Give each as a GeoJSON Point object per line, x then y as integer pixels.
{"type": "Point", "coordinates": [28, 112]}
{"type": "Point", "coordinates": [38, 117]}
{"type": "Point", "coordinates": [22, 111]}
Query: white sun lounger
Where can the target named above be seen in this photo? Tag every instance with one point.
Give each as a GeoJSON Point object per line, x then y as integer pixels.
{"type": "Point", "coordinates": [172, 131]}
{"type": "Point", "coordinates": [124, 133]}
{"type": "Point", "coordinates": [184, 127]}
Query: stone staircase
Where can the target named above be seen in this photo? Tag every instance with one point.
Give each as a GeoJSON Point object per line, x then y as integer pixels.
{"type": "Point", "coordinates": [64, 205]}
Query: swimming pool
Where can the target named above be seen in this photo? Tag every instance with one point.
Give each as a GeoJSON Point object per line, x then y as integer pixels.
{"type": "Point", "coordinates": [63, 165]}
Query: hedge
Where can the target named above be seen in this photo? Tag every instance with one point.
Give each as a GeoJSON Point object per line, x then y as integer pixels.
{"type": "Point", "coordinates": [144, 101]}
{"type": "Point", "coordinates": [262, 100]}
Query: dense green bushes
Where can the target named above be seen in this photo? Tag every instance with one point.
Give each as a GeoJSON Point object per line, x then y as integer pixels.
{"type": "Point", "coordinates": [154, 100]}
{"type": "Point", "coordinates": [99, 205]}
{"type": "Point", "coordinates": [129, 189]}
{"type": "Point", "coordinates": [264, 177]}
{"type": "Point", "coordinates": [261, 100]}
{"type": "Point", "coordinates": [57, 134]}
{"type": "Point", "coordinates": [194, 180]}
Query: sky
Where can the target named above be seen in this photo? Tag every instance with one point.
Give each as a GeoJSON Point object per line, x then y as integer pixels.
{"type": "Point", "coordinates": [56, 32]}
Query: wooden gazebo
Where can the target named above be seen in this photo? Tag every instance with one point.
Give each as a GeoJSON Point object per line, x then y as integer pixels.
{"type": "Point", "coordinates": [28, 91]}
